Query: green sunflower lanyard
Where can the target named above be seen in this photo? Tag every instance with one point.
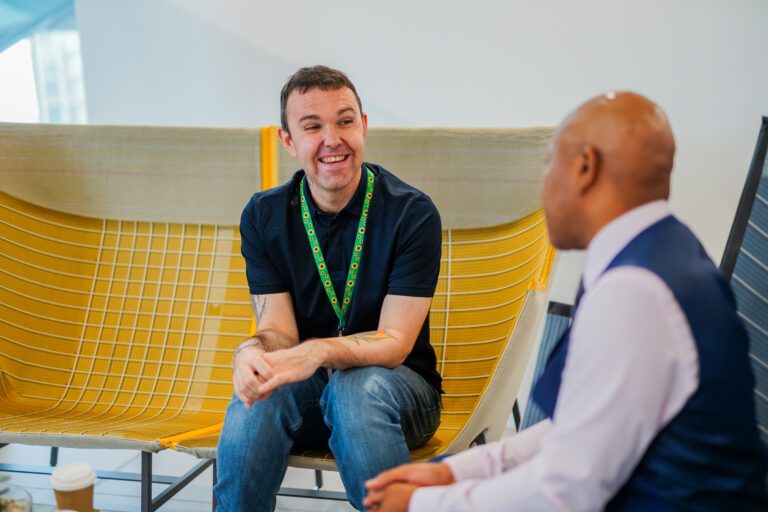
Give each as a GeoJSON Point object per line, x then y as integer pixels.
{"type": "Point", "coordinates": [354, 265]}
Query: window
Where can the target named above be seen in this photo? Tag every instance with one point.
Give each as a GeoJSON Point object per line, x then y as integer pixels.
{"type": "Point", "coordinates": [41, 63]}
{"type": "Point", "coordinates": [18, 91]}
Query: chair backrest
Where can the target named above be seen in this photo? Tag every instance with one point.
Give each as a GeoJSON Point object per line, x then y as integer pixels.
{"type": "Point", "coordinates": [486, 280]}
{"type": "Point", "coordinates": [121, 319]}
{"type": "Point", "coordinates": [118, 315]}
{"type": "Point", "coordinates": [182, 175]}
{"type": "Point", "coordinates": [558, 320]}
{"type": "Point", "coordinates": [476, 177]}
{"type": "Point", "coordinates": [110, 303]}
{"type": "Point", "coordinates": [745, 264]}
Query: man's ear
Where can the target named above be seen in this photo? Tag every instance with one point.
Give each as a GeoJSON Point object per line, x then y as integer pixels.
{"type": "Point", "coordinates": [365, 124]}
{"type": "Point", "coordinates": [589, 169]}
{"type": "Point", "coordinates": [287, 141]}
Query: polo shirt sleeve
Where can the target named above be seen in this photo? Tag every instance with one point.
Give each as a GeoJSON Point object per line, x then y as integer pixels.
{"type": "Point", "coordinates": [417, 262]}
{"type": "Point", "coordinates": [263, 276]}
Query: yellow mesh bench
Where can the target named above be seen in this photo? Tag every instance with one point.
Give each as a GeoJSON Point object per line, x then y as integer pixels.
{"type": "Point", "coordinates": [487, 311]}
{"type": "Point", "coordinates": [119, 333]}
{"type": "Point", "coordinates": [492, 292]}
{"type": "Point", "coordinates": [116, 333]}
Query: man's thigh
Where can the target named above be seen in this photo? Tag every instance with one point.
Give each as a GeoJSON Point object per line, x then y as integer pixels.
{"type": "Point", "coordinates": [357, 395]}
{"type": "Point", "coordinates": [286, 406]}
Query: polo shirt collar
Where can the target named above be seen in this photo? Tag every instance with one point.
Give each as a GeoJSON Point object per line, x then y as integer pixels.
{"type": "Point", "coordinates": [354, 207]}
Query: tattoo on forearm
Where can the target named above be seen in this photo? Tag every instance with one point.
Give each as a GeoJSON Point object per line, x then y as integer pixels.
{"type": "Point", "coordinates": [368, 337]}
{"type": "Point", "coordinates": [259, 306]}
{"type": "Point", "coordinates": [358, 338]}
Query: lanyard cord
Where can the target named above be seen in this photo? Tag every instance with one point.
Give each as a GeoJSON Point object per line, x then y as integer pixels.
{"type": "Point", "coordinates": [354, 265]}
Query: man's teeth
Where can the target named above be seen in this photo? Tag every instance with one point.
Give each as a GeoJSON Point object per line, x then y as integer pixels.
{"type": "Point", "coordinates": [332, 159]}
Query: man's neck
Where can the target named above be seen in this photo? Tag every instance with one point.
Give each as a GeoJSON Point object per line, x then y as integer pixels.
{"type": "Point", "coordinates": [334, 201]}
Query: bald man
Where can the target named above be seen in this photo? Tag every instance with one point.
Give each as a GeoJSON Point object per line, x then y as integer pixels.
{"type": "Point", "coordinates": [649, 395]}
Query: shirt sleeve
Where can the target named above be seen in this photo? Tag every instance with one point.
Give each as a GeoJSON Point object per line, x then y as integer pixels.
{"type": "Point", "coordinates": [632, 365]}
{"type": "Point", "coordinates": [417, 263]}
{"type": "Point", "coordinates": [263, 276]}
{"type": "Point", "coordinates": [495, 458]}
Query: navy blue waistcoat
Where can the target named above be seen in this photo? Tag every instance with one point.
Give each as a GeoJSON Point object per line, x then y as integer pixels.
{"type": "Point", "coordinates": [710, 456]}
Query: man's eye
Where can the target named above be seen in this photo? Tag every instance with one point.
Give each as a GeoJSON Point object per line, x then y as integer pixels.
{"type": "Point", "coordinates": [311, 127]}
{"type": "Point", "coordinates": [346, 122]}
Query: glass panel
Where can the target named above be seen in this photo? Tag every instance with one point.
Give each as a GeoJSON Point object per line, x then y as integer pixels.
{"type": "Point", "coordinates": [18, 91]}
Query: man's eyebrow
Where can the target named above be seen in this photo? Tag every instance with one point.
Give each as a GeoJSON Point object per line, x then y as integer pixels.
{"type": "Point", "coordinates": [315, 117]}
{"type": "Point", "coordinates": [310, 116]}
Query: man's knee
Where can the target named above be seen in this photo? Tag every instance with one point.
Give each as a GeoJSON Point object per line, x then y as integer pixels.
{"type": "Point", "coordinates": [360, 383]}
{"type": "Point", "coordinates": [282, 408]}
{"type": "Point", "coordinates": [353, 395]}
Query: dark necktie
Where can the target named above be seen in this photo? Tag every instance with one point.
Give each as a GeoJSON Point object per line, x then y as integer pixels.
{"type": "Point", "coordinates": [579, 295]}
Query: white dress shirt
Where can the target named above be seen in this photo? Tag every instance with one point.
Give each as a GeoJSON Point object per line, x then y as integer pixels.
{"type": "Point", "coordinates": [631, 367]}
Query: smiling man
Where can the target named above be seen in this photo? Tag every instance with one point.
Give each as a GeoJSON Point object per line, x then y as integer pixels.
{"type": "Point", "coordinates": [342, 263]}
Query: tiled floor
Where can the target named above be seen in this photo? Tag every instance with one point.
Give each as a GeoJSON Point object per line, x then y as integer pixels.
{"type": "Point", "coordinates": [120, 496]}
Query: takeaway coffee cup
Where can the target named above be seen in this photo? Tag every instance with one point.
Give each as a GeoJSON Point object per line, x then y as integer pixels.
{"type": "Point", "coordinates": [73, 486]}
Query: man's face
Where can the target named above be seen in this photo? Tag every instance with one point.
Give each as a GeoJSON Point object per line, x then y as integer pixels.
{"type": "Point", "coordinates": [559, 196]}
{"type": "Point", "coordinates": [327, 135]}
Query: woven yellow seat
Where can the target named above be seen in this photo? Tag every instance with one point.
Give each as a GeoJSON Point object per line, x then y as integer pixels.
{"type": "Point", "coordinates": [119, 333]}
{"type": "Point", "coordinates": [485, 313]}
{"type": "Point", "coordinates": [491, 296]}
{"type": "Point", "coordinates": [114, 333]}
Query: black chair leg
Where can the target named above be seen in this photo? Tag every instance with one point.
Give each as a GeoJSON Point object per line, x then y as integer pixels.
{"type": "Point", "coordinates": [215, 481]}
{"type": "Point", "coordinates": [146, 482]}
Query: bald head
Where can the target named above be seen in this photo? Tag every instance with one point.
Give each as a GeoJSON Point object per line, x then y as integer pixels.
{"type": "Point", "coordinates": [613, 153]}
{"type": "Point", "coordinates": [633, 141]}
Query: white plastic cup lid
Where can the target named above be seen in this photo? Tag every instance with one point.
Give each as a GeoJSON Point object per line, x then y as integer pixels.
{"type": "Point", "coordinates": [72, 477]}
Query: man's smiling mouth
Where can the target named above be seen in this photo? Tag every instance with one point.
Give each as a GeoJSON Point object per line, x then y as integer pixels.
{"type": "Point", "coordinates": [333, 159]}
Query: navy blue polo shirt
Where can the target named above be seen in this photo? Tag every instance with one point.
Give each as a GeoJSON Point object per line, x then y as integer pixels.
{"type": "Point", "coordinates": [401, 256]}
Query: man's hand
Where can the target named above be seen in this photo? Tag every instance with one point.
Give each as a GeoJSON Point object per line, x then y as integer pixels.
{"type": "Point", "coordinates": [293, 364]}
{"type": "Point", "coordinates": [420, 474]}
{"type": "Point", "coordinates": [392, 490]}
{"type": "Point", "coordinates": [251, 371]}
{"type": "Point", "coordinates": [395, 498]}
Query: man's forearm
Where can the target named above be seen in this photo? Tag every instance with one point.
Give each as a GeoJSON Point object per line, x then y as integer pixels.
{"type": "Point", "coordinates": [272, 339]}
{"type": "Point", "coordinates": [374, 348]}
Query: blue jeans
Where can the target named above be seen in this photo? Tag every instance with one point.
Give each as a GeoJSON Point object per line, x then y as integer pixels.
{"type": "Point", "coordinates": [369, 416]}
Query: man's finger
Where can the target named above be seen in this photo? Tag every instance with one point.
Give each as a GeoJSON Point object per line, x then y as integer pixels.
{"type": "Point", "coordinates": [257, 362]}
{"type": "Point", "coordinates": [247, 387]}
{"type": "Point", "coordinates": [398, 474]}
{"type": "Point", "coordinates": [373, 500]}
{"type": "Point", "coordinates": [272, 384]}
{"type": "Point", "coordinates": [237, 382]}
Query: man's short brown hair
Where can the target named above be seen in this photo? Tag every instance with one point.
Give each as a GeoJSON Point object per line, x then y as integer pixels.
{"type": "Point", "coordinates": [320, 77]}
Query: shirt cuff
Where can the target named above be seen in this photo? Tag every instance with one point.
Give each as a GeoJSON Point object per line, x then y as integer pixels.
{"type": "Point", "coordinates": [267, 289]}
{"type": "Point", "coordinates": [468, 464]}
{"type": "Point", "coordinates": [436, 497]}
{"type": "Point", "coordinates": [412, 291]}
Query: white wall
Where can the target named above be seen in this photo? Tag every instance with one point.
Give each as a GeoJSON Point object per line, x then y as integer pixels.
{"type": "Point", "coordinates": [493, 63]}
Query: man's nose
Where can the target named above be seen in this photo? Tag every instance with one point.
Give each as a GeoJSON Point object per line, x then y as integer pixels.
{"type": "Point", "coordinates": [331, 137]}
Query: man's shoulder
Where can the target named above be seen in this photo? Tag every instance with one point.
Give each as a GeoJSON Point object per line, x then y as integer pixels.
{"type": "Point", "coordinates": [395, 189]}
{"type": "Point", "coordinates": [265, 202]}
{"type": "Point", "coordinates": [263, 205]}
{"type": "Point", "coordinates": [280, 193]}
